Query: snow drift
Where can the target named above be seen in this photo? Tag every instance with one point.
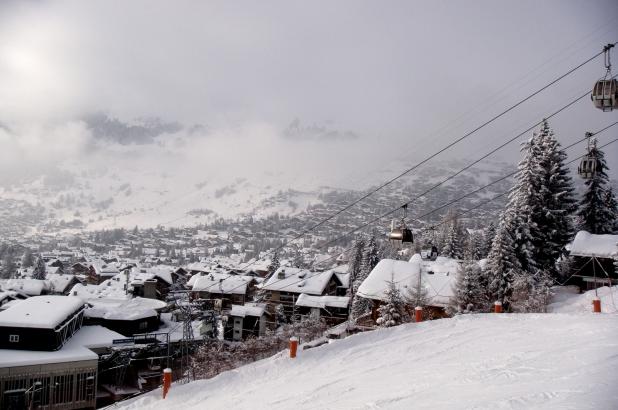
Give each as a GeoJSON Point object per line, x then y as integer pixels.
{"type": "Point", "coordinates": [487, 361]}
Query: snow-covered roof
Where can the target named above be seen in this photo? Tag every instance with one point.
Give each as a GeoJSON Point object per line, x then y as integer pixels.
{"type": "Point", "coordinates": [298, 280]}
{"type": "Point", "coordinates": [322, 301]}
{"type": "Point", "coordinates": [162, 272]}
{"type": "Point", "coordinates": [28, 286]}
{"type": "Point", "coordinates": [113, 287]}
{"type": "Point", "coordinates": [59, 283]}
{"type": "Point", "coordinates": [222, 283]}
{"type": "Point", "coordinates": [592, 245]}
{"type": "Point", "coordinates": [124, 309]}
{"type": "Point", "coordinates": [45, 312]}
{"type": "Point", "coordinates": [74, 350]}
{"type": "Point", "coordinates": [94, 337]}
{"type": "Point", "coordinates": [437, 277]}
{"type": "Point", "coordinates": [249, 309]}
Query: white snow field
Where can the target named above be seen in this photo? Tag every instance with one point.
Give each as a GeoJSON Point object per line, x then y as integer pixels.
{"type": "Point", "coordinates": [485, 361]}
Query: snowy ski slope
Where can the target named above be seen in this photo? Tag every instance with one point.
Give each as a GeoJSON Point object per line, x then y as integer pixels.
{"type": "Point", "coordinates": [486, 361]}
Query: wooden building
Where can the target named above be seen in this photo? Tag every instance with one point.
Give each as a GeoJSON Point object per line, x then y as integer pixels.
{"type": "Point", "coordinates": [230, 289]}
{"type": "Point", "coordinates": [245, 321]}
{"type": "Point", "coordinates": [40, 322]}
{"type": "Point", "coordinates": [593, 260]}
{"type": "Point", "coordinates": [286, 285]}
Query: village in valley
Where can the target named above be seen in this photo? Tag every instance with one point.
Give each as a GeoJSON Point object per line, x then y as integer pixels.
{"type": "Point", "coordinates": [234, 259]}
{"type": "Point", "coordinates": [104, 312]}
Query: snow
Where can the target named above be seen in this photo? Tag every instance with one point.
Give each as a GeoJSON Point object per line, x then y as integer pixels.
{"type": "Point", "coordinates": [600, 246]}
{"type": "Point", "coordinates": [222, 283]}
{"type": "Point", "coordinates": [437, 277]}
{"type": "Point", "coordinates": [28, 286]}
{"type": "Point", "coordinates": [484, 361]}
{"type": "Point", "coordinates": [124, 309]}
{"type": "Point", "coordinates": [298, 281]}
{"type": "Point", "coordinates": [59, 282]}
{"type": "Point", "coordinates": [248, 309]}
{"type": "Point", "coordinates": [94, 337]}
{"type": "Point", "coordinates": [44, 312]}
{"type": "Point", "coordinates": [323, 301]}
{"type": "Point", "coordinates": [567, 299]}
{"type": "Point", "coordinates": [77, 348]}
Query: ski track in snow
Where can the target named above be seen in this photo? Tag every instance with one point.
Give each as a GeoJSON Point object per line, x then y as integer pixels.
{"type": "Point", "coordinates": [534, 361]}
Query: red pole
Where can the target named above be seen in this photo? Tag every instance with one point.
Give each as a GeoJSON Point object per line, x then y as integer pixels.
{"type": "Point", "coordinates": [596, 305]}
{"type": "Point", "coordinates": [293, 346]}
{"type": "Point", "coordinates": [418, 314]}
{"type": "Point", "coordinates": [497, 307]}
{"type": "Point", "coordinates": [167, 380]}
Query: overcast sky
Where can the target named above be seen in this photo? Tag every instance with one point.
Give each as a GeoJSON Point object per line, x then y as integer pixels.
{"type": "Point", "coordinates": [367, 81]}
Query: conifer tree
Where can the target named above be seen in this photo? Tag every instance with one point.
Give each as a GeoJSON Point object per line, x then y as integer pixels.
{"type": "Point", "coordinates": [554, 215]}
{"type": "Point", "coordinates": [369, 259]}
{"type": "Point", "coordinates": [470, 290]}
{"type": "Point", "coordinates": [8, 266]}
{"type": "Point", "coordinates": [473, 249]}
{"type": "Point", "coordinates": [40, 270]}
{"type": "Point", "coordinates": [355, 264]}
{"type": "Point", "coordinates": [453, 246]}
{"type": "Point", "coordinates": [595, 213]}
{"type": "Point", "coordinates": [531, 292]}
{"type": "Point", "coordinates": [488, 237]}
{"type": "Point", "coordinates": [274, 263]}
{"type": "Point", "coordinates": [27, 259]}
{"type": "Point", "coordinates": [391, 313]}
{"type": "Point", "coordinates": [502, 263]}
{"type": "Point", "coordinates": [416, 294]}
{"type": "Point", "coordinates": [612, 205]}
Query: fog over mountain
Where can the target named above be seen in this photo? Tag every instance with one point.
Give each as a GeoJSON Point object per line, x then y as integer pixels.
{"type": "Point", "coordinates": [170, 96]}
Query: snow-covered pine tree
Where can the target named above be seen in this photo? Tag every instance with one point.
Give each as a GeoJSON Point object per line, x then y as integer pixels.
{"type": "Point", "coordinates": [391, 313]}
{"type": "Point", "coordinates": [370, 258]}
{"type": "Point", "coordinates": [40, 270]}
{"type": "Point", "coordinates": [8, 266]}
{"type": "Point", "coordinates": [531, 293]}
{"type": "Point", "coordinates": [525, 203]}
{"type": "Point", "coordinates": [502, 262]}
{"type": "Point", "coordinates": [416, 294]}
{"type": "Point", "coordinates": [488, 237]}
{"type": "Point", "coordinates": [554, 215]}
{"type": "Point", "coordinates": [27, 260]}
{"type": "Point", "coordinates": [454, 241]}
{"type": "Point", "coordinates": [274, 263]}
{"type": "Point", "coordinates": [612, 205]}
{"type": "Point", "coordinates": [473, 249]}
{"type": "Point", "coordinates": [470, 290]}
{"type": "Point", "coordinates": [594, 214]}
{"type": "Point", "coordinates": [355, 264]}
{"type": "Point", "coordinates": [280, 316]}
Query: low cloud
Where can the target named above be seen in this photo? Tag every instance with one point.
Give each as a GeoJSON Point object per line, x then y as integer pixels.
{"type": "Point", "coordinates": [297, 131]}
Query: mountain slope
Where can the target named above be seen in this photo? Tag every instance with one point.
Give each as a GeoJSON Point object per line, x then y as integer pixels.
{"type": "Point", "coordinates": [549, 361]}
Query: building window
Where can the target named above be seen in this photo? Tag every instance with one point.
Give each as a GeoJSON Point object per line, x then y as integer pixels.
{"type": "Point", "coordinates": [14, 338]}
{"type": "Point", "coordinates": [143, 325]}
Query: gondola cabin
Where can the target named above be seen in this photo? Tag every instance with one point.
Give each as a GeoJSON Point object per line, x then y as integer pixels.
{"type": "Point", "coordinates": [605, 95]}
{"type": "Point", "coordinates": [403, 235]}
{"type": "Point", "coordinates": [587, 167]}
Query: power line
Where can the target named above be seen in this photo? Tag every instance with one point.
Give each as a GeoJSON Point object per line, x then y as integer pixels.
{"type": "Point", "coordinates": [448, 146]}
{"type": "Point", "coordinates": [304, 232]}
{"type": "Point", "coordinates": [463, 212]}
{"type": "Point", "coordinates": [462, 170]}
